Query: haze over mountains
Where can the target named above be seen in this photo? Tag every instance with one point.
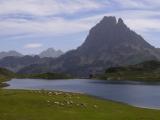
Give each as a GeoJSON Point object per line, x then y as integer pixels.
{"type": "Point", "coordinates": [10, 53]}
{"type": "Point", "coordinates": [109, 44]}
{"type": "Point", "coordinates": [50, 52]}
{"type": "Point", "coordinates": [15, 61]}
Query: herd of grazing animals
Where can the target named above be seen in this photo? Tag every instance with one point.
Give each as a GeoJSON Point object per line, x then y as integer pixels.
{"type": "Point", "coordinates": [68, 99]}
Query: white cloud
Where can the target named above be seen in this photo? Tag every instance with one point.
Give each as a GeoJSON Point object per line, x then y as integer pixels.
{"type": "Point", "coordinates": [137, 4]}
{"type": "Point", "coordinates": [51, 27]}
{"type": "Point", "coordinates": [12, 12]}
{"type": "Point", "coordinates": [141, 21]}
{"type": "Point", "coordinates": [47, 7]}
{"type": "Point", "coordinates": [33, 45]}
{"type": "Point", "coordinates": [130, 3]}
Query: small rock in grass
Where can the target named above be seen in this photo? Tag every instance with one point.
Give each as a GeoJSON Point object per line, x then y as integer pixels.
{"type": "Point", "coordinates": [95, 106]}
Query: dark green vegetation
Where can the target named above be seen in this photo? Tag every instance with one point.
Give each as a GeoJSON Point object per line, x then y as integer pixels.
{"type": "Point", "coordinates": [43, 105]}
{"type": "Point", "coordinates": [5, 75]}
{"type": "Point", "coordinates": [148, 71]}
{"type": "Point", "coordinates": [45, 76]}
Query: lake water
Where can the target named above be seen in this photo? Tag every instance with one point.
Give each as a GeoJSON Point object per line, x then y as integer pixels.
{"type": "Point", "coordinates": [133, 93]}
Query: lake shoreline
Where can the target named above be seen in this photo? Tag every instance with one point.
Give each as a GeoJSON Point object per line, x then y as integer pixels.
{"type": "Point", "coordinates": [2, 85]}
{"type": "Point", "coordinates": [53, 85]}
{"type": "Point", "coordinates": [145, 82]}
{"type": "Point", "coordinates": [95, 97]}
{"type": "Point", "coordinates": [82, 94]}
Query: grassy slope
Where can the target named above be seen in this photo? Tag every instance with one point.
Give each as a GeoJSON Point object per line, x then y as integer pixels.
{"type": "Point", "coordinates": [147, 71]}
{"type": "Point", "coordinates": [34, 105]}
{"type": "Point", "coordinates": [5, 75]}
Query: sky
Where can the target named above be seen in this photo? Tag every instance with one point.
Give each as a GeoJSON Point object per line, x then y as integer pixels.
{"type": "Point", "coordinates": [30, 26]}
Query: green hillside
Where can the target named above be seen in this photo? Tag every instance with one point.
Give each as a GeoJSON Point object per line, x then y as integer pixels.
{"type": "Point", "coordinates": [146, 71]}
{"type": "Point", "coordinates": [5, 75]}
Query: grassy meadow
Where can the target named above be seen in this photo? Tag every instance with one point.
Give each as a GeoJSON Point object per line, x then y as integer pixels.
{"type": "Point", "coordinates": [45, 105]}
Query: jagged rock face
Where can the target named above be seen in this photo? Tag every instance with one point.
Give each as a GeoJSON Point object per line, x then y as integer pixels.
{"type": "Point", "coordinates": [113, 41]}
{"type": "Point", "coordinates": [109, 44]}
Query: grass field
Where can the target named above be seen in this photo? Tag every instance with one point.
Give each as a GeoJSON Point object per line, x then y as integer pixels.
{"type": "Point", "coordinates": [4, 76]}
{"type": "Point", "coordinates": [45, 105]}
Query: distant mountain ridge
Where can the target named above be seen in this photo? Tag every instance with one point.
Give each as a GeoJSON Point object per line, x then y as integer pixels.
{"type": "Point", "coordinates": [10, 53]}
{"type": "Point", "coordinates": [16, 63]}
{"type": "Point", "coordinates": [51, 52]}
{"type": "Point", "coordinates": [109, 44]}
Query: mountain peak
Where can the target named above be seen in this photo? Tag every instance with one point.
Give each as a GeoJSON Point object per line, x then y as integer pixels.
{"type": "Point", "coordinates": [112, 37]}
{"type": "Point", "coordinates": [51, 52]}
{"type": "Point", "coordinates": [112, 20]}
{"type": "Point", "coordinates": [120, 21]}
{"type": "Point", "coordinates": [51, 49]}
{"type": "Point", "coordinates": [109, 20]}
